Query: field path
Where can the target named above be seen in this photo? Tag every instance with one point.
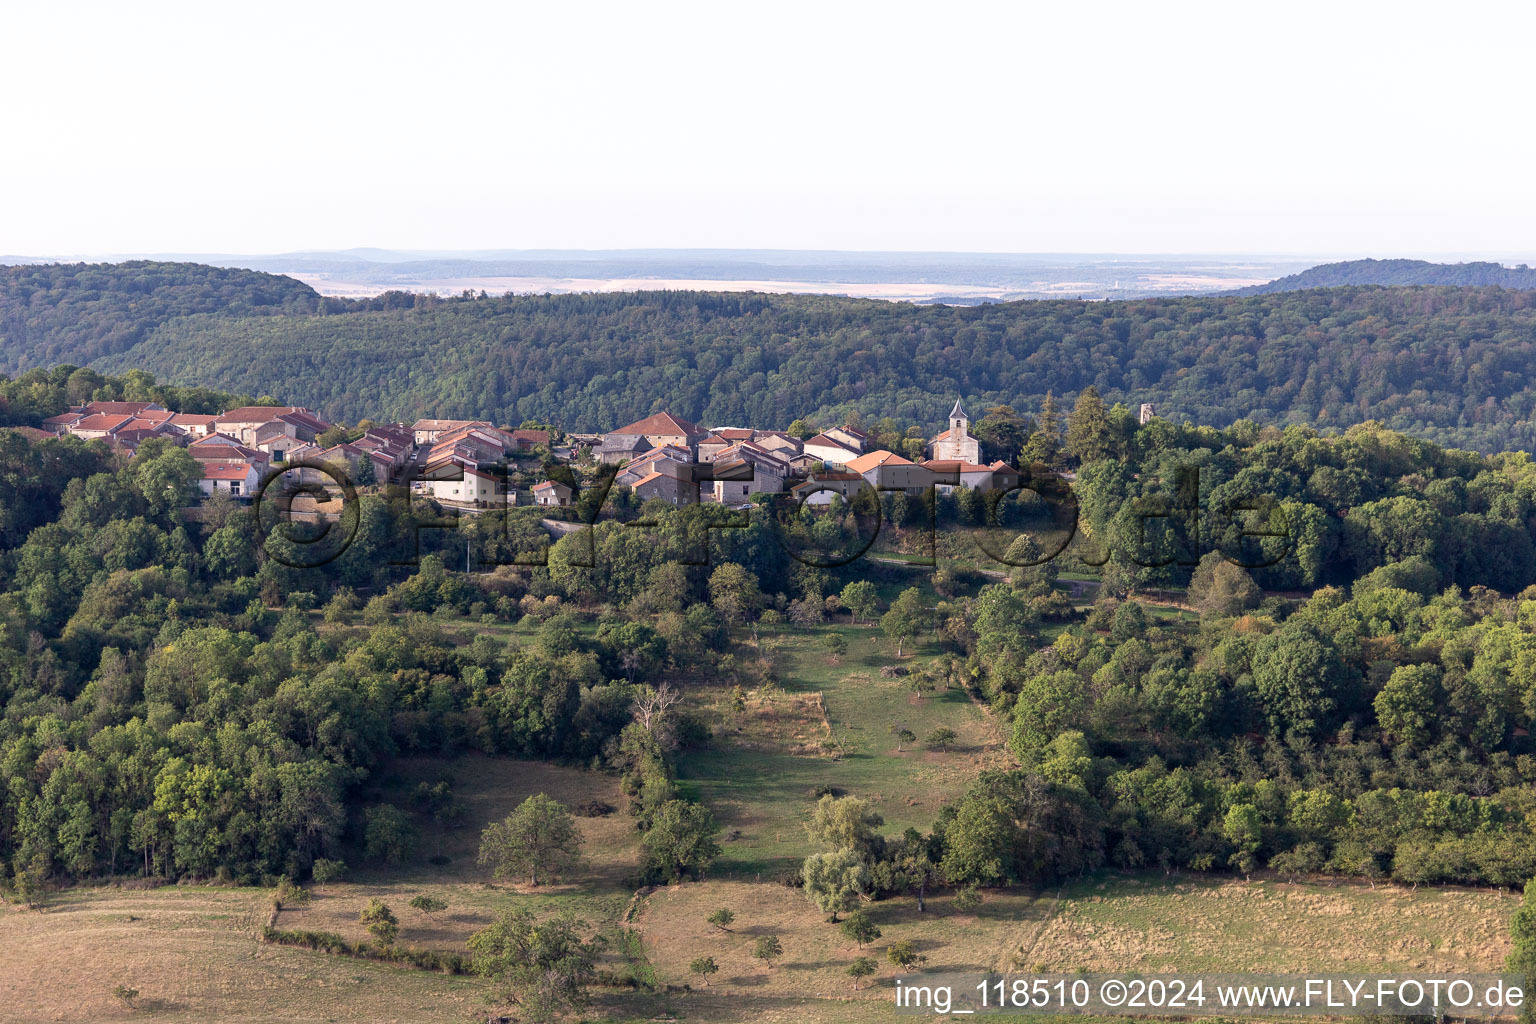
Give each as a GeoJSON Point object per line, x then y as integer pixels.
{"type": "Point", "coordinates": [1021, 942]}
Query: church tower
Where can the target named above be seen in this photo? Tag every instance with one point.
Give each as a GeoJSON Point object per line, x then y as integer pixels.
{"type": "Point", "coordinates": [959, 423]}
{"type": "Point", "coordinates": [956, 444]}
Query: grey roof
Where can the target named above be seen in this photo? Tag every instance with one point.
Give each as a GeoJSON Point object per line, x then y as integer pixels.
{"type": "Point", "coordinates": [958, 412]}
{"type": "Point", "coordinates": [624, 443]}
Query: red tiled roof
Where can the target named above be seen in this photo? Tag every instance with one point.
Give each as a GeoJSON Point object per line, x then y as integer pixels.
{"type": "Point", "coordinates": [225, 471]}
{"type": "Point", "coordinates": [661, 423]}
{"type": "Point", "coordinates": [102, 421]}
{"type": "Point", "coordinates": [32, 433]}
{"type": "Point", "coordinates": [116, 408]}
{"type": "Point", "coordinates": [880, 457]}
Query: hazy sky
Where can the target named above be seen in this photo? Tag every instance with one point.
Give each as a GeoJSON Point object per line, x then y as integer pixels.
{"type": "Point", "coordinates": [1333, 127]}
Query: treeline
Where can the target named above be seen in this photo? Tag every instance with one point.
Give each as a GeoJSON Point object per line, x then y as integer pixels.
{"type": "Point", "coordinates": [1449, 364]}
{"type": "Point", "coordinates": [77, 312]}
{"type": "Point", "coordinates": [1400, 273]}
{"type": "Point", "coordinates": [34, 396]}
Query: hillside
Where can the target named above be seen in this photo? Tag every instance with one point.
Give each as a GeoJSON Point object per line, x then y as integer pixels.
{"type": "Point", "coordinates": [1398, 273]}
{"type": "Point", "coordinates": [78, 312]}
{"type": "Point", "coordinates": [1451, 364]}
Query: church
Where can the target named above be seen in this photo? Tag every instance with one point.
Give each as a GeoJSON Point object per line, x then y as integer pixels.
{"type": "Point", "coordinates": [956, 443]}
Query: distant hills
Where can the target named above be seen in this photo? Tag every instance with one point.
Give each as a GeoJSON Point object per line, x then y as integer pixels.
{"type": "Point", "coordinates": [1393, 273]}
{"type": "Point", "coordinates": [1453, 364]}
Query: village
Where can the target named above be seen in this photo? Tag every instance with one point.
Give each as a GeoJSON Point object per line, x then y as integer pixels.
{"type": "Point", "coordinates": [473, 464]}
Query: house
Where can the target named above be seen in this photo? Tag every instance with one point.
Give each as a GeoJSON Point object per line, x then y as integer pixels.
{"type": "Point", "coordinates": [526, 440]}
{"type": "Point", "coordinates": [121, 408]}
{"type": "Point", "coordinates": [192, 425]}
{"type": "Point", "coordinates": [31, 433]}
{"type": "Point", "coordinates": [237, 479]}
{"type": "Point", "coordinates": [956, 443]}
{"type": "Point", "coordinates": [825, 448]}
{"type": "Point", "coordinates": [851, 436]}
{"type": "Point", "coordinates": [950, 474]}
{"type": "Point", "coordinates": [222, 448]}
{"type": "Point", "coordinates": [745, 469]}
{"type": "Point", "coordinates": [785, 445]}
{"type": "Point", "coordinates": [297, 422]}
{"type": "Point", "coordinates": [661, 428]}
{"type": "Point", "coordinates": [428, 431]}
{"type": "Point", "coordinates": [821, 488]}
{"type": "Point", "coordinates": [1004, 476]}
{"type": "Point", "coordinates": [650, 462]}
{"type": "Point", "coordinates": [890, 472]}
{"type": "Point", "coordinates": [99, 425]}
{"type": "Point", "coordinates": [670, 481]}
{"type": "Point", "coordinates": [473, 488]}
{"type": "Point", "coordinates": [350, 459]}
{"type": "Point", "coordinates": [61, 423]}
{"type": "Point", "coordinates": [552, 493]}
{"type": "Point", "coordinates": [618, 448]}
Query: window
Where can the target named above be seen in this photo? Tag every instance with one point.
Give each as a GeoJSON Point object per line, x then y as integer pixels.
{"type": "Point", "coordinates": [234, 487]}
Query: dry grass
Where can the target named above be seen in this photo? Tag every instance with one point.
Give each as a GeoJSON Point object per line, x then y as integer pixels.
{"type": "Point", "coordinates": [192, 954]}
{"type": "Point", "coordinates": [1204, 925]}
{"type": "Point", "coordinates": [816, 954]}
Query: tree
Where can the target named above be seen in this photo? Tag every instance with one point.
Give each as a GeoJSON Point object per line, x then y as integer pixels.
{"type": "Point", "coordinates": [1044, 444]}
{"type": "Point", "coordinates": [722, 919]}
{"type": "Point", "coordinates": [733, 593]}
{"type": "Point", "coordinates": [388, 834]}
{"type": "Point", "coordinates": [967, 899]}
{"type": "Point", "coordinates": [1242, 828]}
{"type": "Point", "coordinates": [845, 823]}
{"type": "Point", "coordinates": [941, 738]}
{"type": "Point", "coordinates": [534, 840]}
{"type": "Point", "coordinates": [1089, 437]}
{"type": "Point", "coordinates": [1300, 678]}
{"type": "Point", "coordinates": [380, 922]}
{"type": "Point", "coordinates": [836, 646]}
{"type": "Point", "coordinates": [834, 881]}
{"type": "Point", "coordinates": [545, 966]}
{"type": "Point", "coordinates": [861, 599]}
{"type": "Point", "coordinates": [428, 905]}
{"type": "Point", "coordinates": [860, 928]}
{"type": "Point", "coordinates": [1522, 958]}
{"type": "Point", "coordinates": [1406, 705]}
{"type": "Point", "coordinates": [680, 840]}
{"type": "Point", "coordinates": [862, 968]}
{"type": "Point", "coordinates": [324, 871]}
{"type": "Point", "coordinates": [904, 955]}
{"type": "Point", "coordinates": [767, 948]}
{"type": "Point", "coordinates": [905, 619]}
{"type": "Point", "coordinates": [704, 966]}
{"type": "Point", "coordinates": [1217, 587]}
{"type": "Point", "coordinates": [903, 736]}
{"type": "Point", "coordinates": [126, 995]}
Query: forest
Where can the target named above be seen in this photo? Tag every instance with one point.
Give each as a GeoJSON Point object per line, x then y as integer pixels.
{"type": "Point", "coordinates": [1447, 364]}
{"type": "Point", "coordinates": [1398, 273]}
{"type": "Point", "coordinates": [180, 701]}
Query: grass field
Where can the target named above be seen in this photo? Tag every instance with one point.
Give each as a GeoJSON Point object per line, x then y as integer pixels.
{"type": "Point", "coordinates": [192, 951]}
{"type": "Point", "coordinates": [830, 725]}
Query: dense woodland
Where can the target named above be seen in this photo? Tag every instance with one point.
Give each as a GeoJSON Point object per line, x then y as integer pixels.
{"type": "Point", "coordinates": [179, 702]}
{"type": "Point", "coordinates": [1449, 364]}
{"type": "Point", "coordinates": [1398, 273]}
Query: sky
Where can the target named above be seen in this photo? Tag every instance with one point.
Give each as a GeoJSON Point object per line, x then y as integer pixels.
{"type": "Point", "coordinates": [1308, 128]}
